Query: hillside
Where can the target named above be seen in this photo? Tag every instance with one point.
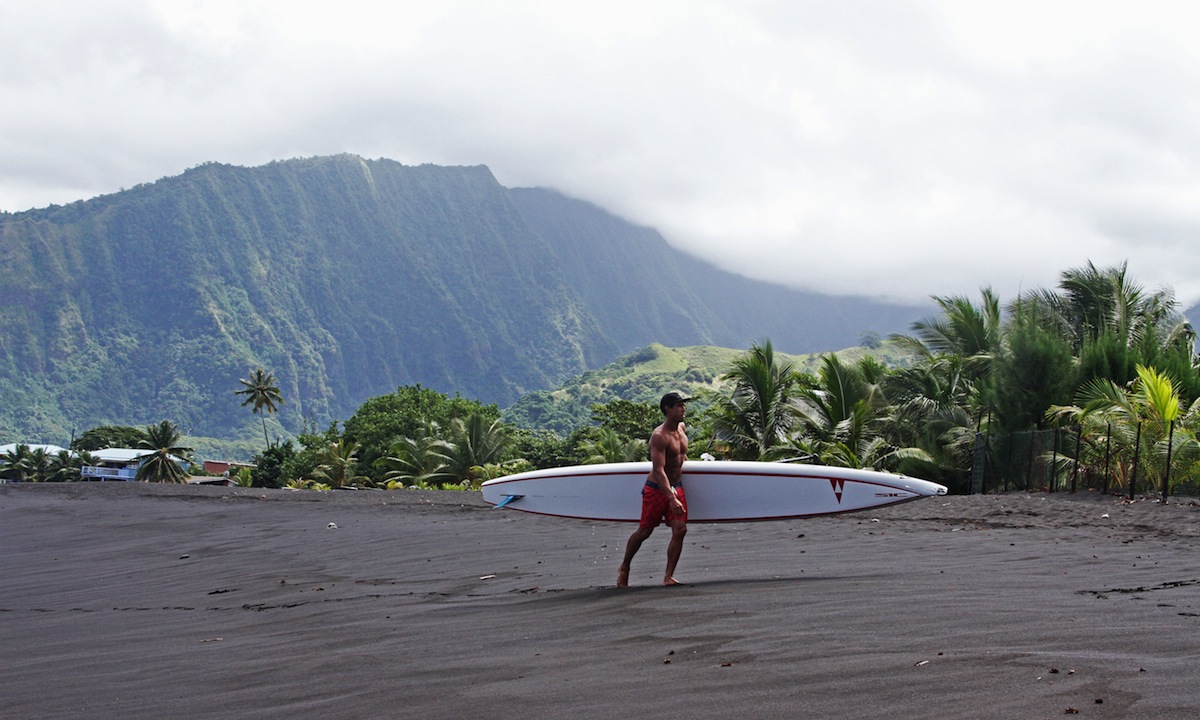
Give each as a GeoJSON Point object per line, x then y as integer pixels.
{"type": "Point", "coordinates": [347, 278]}
{"type": "Point", "coordinates": [644, 375]}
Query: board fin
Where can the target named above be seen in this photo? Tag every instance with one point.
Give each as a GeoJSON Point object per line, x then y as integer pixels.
{"type": "Point", "coordinates": [507, 499]}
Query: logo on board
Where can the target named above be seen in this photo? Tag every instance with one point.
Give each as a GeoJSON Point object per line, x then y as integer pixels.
{"type": "Point", "coordinates": [838, 487]}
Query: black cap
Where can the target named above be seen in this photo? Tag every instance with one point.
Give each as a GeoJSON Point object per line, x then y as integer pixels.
{"type": "Point", "coordinates": [670, 399]}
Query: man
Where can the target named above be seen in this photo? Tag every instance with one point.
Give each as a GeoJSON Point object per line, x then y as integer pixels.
{"type": "Point", "coordinates": [663, 499]}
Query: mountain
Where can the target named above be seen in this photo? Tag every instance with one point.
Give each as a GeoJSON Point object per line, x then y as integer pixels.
{"type": "Point", "coordinates": [347, 278]}
{"type": "Point", "coordinates": [646, 291]}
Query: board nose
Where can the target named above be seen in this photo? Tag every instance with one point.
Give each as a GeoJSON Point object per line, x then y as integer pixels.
{"type": "Point", "coordinates": [925, 488]}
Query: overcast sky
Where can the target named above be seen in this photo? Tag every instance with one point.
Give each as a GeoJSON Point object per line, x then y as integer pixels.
{"type": "Point", "coordinates": [891, 149]}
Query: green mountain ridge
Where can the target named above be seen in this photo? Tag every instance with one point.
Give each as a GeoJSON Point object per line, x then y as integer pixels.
{"type": "Point", "coordinates": [347, 278]}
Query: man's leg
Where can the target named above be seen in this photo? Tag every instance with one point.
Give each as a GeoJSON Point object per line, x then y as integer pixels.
{"type": "Point", "coordinates": [674, 549]}
{"type": "Point", "coordinates": [631, 547]}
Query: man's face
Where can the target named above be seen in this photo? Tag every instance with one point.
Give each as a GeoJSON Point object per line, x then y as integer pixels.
{"type": "Point", "coordinates": [676, 411]}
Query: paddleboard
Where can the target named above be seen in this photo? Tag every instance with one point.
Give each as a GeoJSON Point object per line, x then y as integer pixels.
{"type": "Point", "coordinates": [721, 491]}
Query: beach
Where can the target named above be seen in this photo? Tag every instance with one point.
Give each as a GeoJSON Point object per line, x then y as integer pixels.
{"type": "Point", "coordinates": [127, 600]}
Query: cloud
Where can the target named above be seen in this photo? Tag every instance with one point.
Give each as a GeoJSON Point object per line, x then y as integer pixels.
{"type": "Point", "coordinates": [897, 150]}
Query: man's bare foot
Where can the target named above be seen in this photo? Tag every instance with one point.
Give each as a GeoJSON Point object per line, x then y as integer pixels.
{"type": "Point", "coordinates": [623, 577]}
{"type": "Point", "coordinates": [671, 581]}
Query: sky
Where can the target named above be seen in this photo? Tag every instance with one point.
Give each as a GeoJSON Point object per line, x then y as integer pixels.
{"type": "Point", "coordinates": [896, 150]}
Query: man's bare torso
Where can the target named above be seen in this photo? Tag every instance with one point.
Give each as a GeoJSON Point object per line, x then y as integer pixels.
{"type": "Point", "coordinates": [674, 446]}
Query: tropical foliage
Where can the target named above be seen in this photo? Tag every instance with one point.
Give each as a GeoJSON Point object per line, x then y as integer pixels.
{"type": "Point", "coordinates": [168, 458]}
{"type": "Point", "coordinates": [1105, 367]}
{"type": "Point", "coordinates": [261, 393]}
{"type": "Point", "coordinates": [109, 436]}
{"type": "Point", "coordinates": [1086, 360]}
{"type": "Point", "coordinates": [1102, 363]}
{"type": "Point", "coordinates": [422, 461]}
{"type": "Point", "coordinates": [755, 420]}
{"type": "Point", "coordinates": [607, 446]}
{"type": "Point", "coordinates": [25, 464]}
{"type": "Point", "coordinates": [337, 466]}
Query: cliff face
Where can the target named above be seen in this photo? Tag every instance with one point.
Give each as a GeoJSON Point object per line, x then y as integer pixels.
{"type": "Point", "coordinates": [346, 278]}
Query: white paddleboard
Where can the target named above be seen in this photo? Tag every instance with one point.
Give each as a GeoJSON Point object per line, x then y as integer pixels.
{"type": "Point", "coordinates": [723, 491]}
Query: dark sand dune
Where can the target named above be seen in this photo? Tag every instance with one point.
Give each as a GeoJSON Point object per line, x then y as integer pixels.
{"type": "Point", "coordinates": [135, 601]}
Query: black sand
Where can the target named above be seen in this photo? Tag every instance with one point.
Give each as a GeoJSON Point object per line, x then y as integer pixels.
{"type": "Point", "coordinates": [135, 601]}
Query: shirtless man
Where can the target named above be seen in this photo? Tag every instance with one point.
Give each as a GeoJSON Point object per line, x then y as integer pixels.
{"type": "Point", "coordinates": [662, 496]}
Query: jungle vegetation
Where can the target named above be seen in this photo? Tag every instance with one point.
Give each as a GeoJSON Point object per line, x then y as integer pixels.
{"type": "Point", "coordinates": [1100, 357]}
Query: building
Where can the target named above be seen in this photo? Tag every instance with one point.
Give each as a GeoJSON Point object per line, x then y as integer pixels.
{"type": "Point", "coordinates": [12, 447]}
{"type": "Point", "coordinates": [221, 467]}
{"type": "Point", "coordinates": [118, 464]}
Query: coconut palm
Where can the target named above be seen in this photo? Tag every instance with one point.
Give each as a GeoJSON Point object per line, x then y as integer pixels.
{"type": "Point", "coordinates": [163, 463]}
{"type": "Point", "coordinates": [609, 447]}
{"type": "Point", "coordinates": [14, 464]}
{"type": "Point", "coordinates": [929, 408]}
{"type": "Point", "coordinates": [262, 394]}
{"type": "Point", "coordinates": [475, 443]}
{"type": "Point", "coordinates": [39, 465]}
{"type": "Point", "coordinates": [929, 398]}
{"type": "Point", "coordinates": [840, 404]}
{"type": "Point", "coordinates": [67, 466]}
{"type": "Point", "coordinates": [1148, 412]}
{"type": "Point", "coordinates": [1098, 303]}
{"type": "Point", "coordinates": [337, 465]}
{"type": "Point", "coordinates": [956, 353]}
{"type": "Point", "coordinates": [971, 332]}
{"type": "Point", "coordinates": [835, 415]}
{"type": "Point", "coordinates": [756, 419]}
{"type": "Point", "coordinates": [423, 461]}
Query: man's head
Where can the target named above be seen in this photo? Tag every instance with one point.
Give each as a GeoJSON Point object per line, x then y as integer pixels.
{"type": "Point", "coordinates": [670, 400]}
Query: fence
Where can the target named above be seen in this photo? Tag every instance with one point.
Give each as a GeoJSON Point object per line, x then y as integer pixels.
{"type": "Point", "coordinates": [91, 472]}
{"type": "Point", "coordinates": [1057, 460]}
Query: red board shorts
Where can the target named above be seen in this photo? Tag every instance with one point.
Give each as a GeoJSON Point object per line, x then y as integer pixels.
{"type": "Point", "coordinates": [656, 508]}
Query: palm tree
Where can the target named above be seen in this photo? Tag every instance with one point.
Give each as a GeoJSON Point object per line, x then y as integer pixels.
{"type": "Point", "coordinates": [757, 418]}
{"type": "Point", "coordinates": [262, 393]}
{"type": "Point", "coordinates": [928, 408]}
{"type": "Point", "coordinates": [836, 414]}
{"type": "Point", "coordinates": [476, 443]}
{"type": "Point", "coordinates": [1094, 301]}
{"type": "Point", "coordinates": [1149, 412]}
{"type": "Point", "coordinates": [423, 461]}
{"type": "Point", "coordinates": [843, 401]}
{"type": "Point", "coordinates": [609, 447]}
{"type": "Point", "coordinates": [14, 465]}
{"type": "Point", "coordinates": [39, 465]}
{"type": "Point", "coordinates": [940, 403]}
{"type": "Point", "coordinates": [970, 332]}
{"type": "Point", "coordinates": [930, 397]}
{"type": "Point", "coordinates": [1098, 303]}
{"type": "Point", "coordinates": [162, 465]}
{"type": "Point", "coordinates": [67, 466]}
{"type": "Point", "coordinates": [337, 465]}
